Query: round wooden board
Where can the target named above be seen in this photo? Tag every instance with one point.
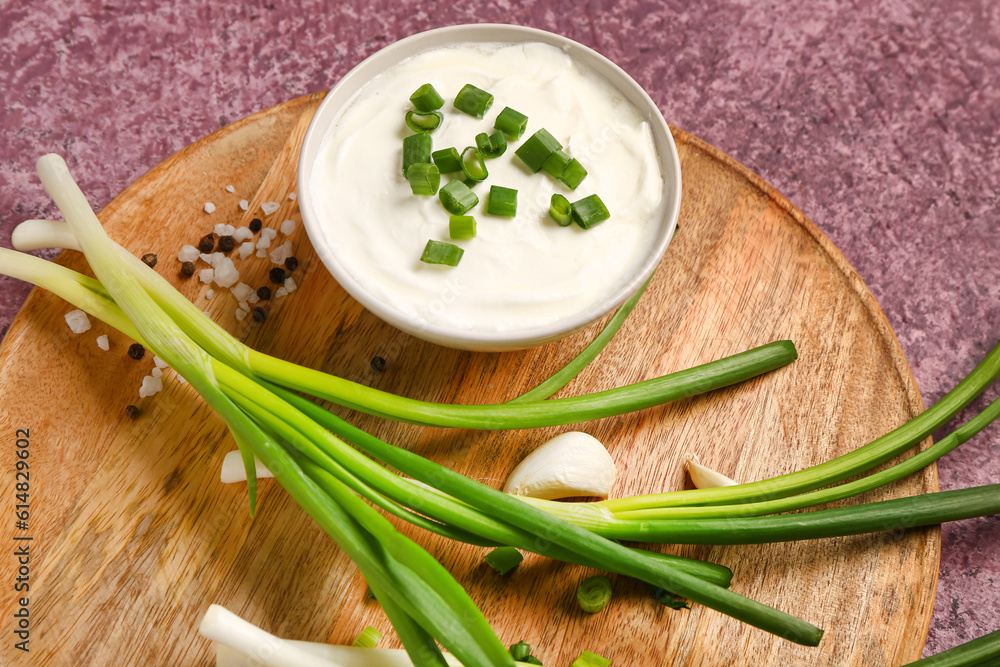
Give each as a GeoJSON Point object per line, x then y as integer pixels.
{"type": "Point", "coordinates": [132, 536]}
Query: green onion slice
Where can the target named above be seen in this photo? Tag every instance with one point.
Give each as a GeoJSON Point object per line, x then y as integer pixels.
{"type": "Point", "coordinates": [438, 252]}
{"type": "Point", "coordinates": [473, 101]}
{"type": "Point", "coordinates": [555, 164]}
{"type": "Point", "coordinates": [589, 211]}
{"type": "Point", "coordinates": [426, 98]}
{"type": "Point", "coordinates": [473, 164]}
{"type": "Point", "coordinates": [457, 198]}
{"type": "Point", "coordinates": [573, 174]}
{"type": "Point", "coordinates": [504, 559]}
{"type": "Point", "coordinates": [502, 201]}
{"type": "Point", "coordinates": [588, 659]}
{"type": "Point", "coordinates": [461, 227]}
{"type": "Point", "coordinates": [368, 638]}
{"type": "Point", "coordinates": [512, 123]}
{"type": "Point", "coordinates": [447, 160]}
{"type": "Point", "coordinates": [520, 650]}
{"type": "Point", "coordinates": [423, 121]}
{"type": "Point", "coordinates": [594, 593]}
{"type": "Point", "coordinates": [561, 210]}
{"type": "Point", "coordinates": [537, 149]}
{"type": "Point", "coordinates": [491, 145]}
{"type": "Point", "coordinates": [416, 149]}
{"type": "Point", "coordinates": [424, 178]}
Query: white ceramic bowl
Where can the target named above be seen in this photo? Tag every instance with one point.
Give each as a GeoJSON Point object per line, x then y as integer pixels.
{"type": "Point", "coordinates": [318, 226]}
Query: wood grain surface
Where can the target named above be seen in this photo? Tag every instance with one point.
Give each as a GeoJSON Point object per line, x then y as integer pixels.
{"type": "Point", "coordinates": [132, 535]}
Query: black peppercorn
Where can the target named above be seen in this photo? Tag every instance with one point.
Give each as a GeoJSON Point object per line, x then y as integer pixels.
{"type": "Point", "coordinates": [277, 275]}
{"type": "Point", "coordinates": [255, 225]}
{"type": "Point", "coordinates": [207, 243]}
{"type": "Point", "coordinates": [187, 268]}
{"type": "Point", "coordinates": [378, 364]}
{"type": "Point", "coordinates": [149, 259]}
{"type": "Point", "coordinates": [136, 351]}
{"type": "Point", "coordinates": [227, 243]}
{"type": "Point", "coordinates": [291, 264]}
{"type": "Point", "coordinates": [259, 314]}
{"type": "Point", "coordinates": [264, 293]}
{"type": "Point", "coordinates": [132, 412]}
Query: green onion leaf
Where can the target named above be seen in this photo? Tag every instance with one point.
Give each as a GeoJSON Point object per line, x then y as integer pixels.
{"type": "Point", "coordinates": [424, 178]}
{"type": "Point", "coordinates": [437, 252]}
{"type": "Point", "coordinates": [512, 123]}
{"type": "Point", "coordinates": [447, 160]}
{"type": "Point", "coordinates": [424, 122]}
{"type": "Point", "coordinates": [416, 149]}
{"type": "Point", "coordinates": [457, 198]}
{"type": "Point", "coordinates": [502, 201]}
{"type": "Point", "coordinates": [426, 98]}
{"type": "Point", "coordinates": [537, 149]}
{"type": "Point", "coordinates": [594, 593]}
{"type": "Point", "coordinates": [473, 164]}
{"type": "Point", "coordinates": [561, 210]}
{"type": "Point", "coordinates": [573, 174]}
{"type": "Point", "coordinates": [588, 659]}
{"type": "Point", "coordinates": [491, 145]}
{"type": "Point", "coordinates": [504, 559]}
{"type": "Point", "coordinates": [461, 227]}
{"type": "Point", "coordinates": [368, 638]}
{"type": "Point", "coordinates": [589, 211]}
{"type": "Point", "coordinates": [473, 101]}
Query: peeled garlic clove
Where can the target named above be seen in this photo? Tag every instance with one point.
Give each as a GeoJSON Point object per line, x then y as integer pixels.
{"type": "Point", "coordinates": [705, 478]}
{"type": "Point", "coordinates": [234, 471]}
{"type": "Point", "coordinates": [569, 465]}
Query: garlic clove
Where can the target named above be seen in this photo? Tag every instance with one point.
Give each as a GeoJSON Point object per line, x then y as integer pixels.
{"type": "Point", "coordinates": [705, 478]}
{"type": "Point", "coordinates": [569, 465]}
{"type": "Point", "coordinates": [233, 470]}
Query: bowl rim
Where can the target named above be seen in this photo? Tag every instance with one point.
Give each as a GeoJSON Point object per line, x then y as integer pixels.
{"type": "Point", "coordinates": [347, 87]}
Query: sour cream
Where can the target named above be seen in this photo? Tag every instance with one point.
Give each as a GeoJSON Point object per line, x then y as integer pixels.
{"type": "Point", "coordinates": [518, 273]}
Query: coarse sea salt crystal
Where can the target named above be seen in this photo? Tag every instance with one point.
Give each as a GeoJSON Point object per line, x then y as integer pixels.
{"type": "Point", "coordinates": [156, 372]}
{"type": "Point", "coordinates": [287, 227]}
{"type": "Point", "coordinates": [206, 275]}
{"type": "Point", "coordinates": [282, 252]}
{"type": "Point", "coordinates": [280, 292]}
{"type": "Point", "coordinates": [263, 242]}
{"type": "Point", "coordinates": [290, 285]}
{"type": "Point", "coordinates": [241, 315]}
{"type": "Point", "coordinates": [242, 234]}
{"type": "Point", "coordinates": [268, 233]}
{"type": "Point", "coordinates": [209, 207]}
{"type": "Point", "coordinates": [262, 252]}
{"type": "Point", "coordinates": [292, 196]}
{"type": "Point", "coordinates": [244, 204]}
{"type": "Point", "coordinates": [160, 363]}
{"type": "Point", "coordinates": [226, 273]}
{"type": "Point", "coordinates": [78, 321]}
{"type": "Point", "coordinates": [150, 386]}
{"type": "Point", "coordinates": [230, 188]}
{"type": "Point", "coordinates": [209, 294]}
{"type": "Point", "coordinates": [180, 378]}
{"type": "Point", "coordinates": [253, 298]}
{"type": "Point", "coordinates": [246, 249]}
{"type": "Point", "coordinates": [188, 254]}
{"type": "Point", "coordinates": [270, 207]}
{"type": "Point", "coordinates": [243, 305]}
{"type": "Point", "coordinates": [102, 342]}
{"type": "Point", "coordinates": [242, 291]}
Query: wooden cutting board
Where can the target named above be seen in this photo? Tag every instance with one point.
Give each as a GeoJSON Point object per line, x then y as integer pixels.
{"type": "Point", "coordinates": [132, 536]}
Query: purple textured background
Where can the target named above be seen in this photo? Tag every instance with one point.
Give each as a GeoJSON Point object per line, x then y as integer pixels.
{"type": "Point", "coordinates": [878, 119]}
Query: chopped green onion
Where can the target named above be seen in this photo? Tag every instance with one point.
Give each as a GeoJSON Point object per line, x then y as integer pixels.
{"type": "Point", "coordinates": [473, 164]}
{"type": "Point", "coordinates": [457, 198]}
{"type": "Point", "coordinates": [461, 227]}
{"type": "Point", "coordinates": [424, 178]}
{"type": "Point", "coordinates": [447, 160]}
{"type": "Point", "coordinates": [437, 252]}
{"type": "Point", "coordinates": [588, 659]}
{"type": "Point", "coordinates": [491, 145]}
{"type": "Point", "coordinates": [561, 210]}
{"type": "Point", "coordinates": [512, 123]}
{"type": "Point", "coordinates": [589, 211]}
{"type": "Point", "coordinates": [502, 201]}
{"type": "Point", "coordinates": [594, 593]}
{"type": "Point", "coordinates": [426, 98]}
{"type": "Point", "coordinates": [520, 650]}
{"type": "Point", "coordinates": [537, 149]}
{"type": "Point", "coordinates": [416, 149]}
{"type": "Point", "coordinates": [573, 174]}
{"type": "Point", "coordinates": [473, 101]}
{"type": "Point", "coordinates": [368, 638]}
{"type": "Point", "coordinates": [504, 559]}
{"type": "Point", "coordinates": [424, 122]}
{"type": "Point", "coordinates": [555, 164]}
